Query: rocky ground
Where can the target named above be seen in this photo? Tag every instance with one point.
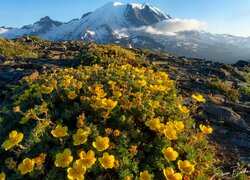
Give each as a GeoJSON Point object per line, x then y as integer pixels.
{"type": "Point", "coordinates": [226, 88]}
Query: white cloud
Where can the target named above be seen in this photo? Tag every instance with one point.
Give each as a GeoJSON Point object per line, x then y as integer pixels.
{"type": "Point", "coordinates": [170, 27]}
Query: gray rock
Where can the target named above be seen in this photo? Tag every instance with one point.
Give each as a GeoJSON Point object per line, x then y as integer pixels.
{"type": "Point", "coordinates": [227, 115]}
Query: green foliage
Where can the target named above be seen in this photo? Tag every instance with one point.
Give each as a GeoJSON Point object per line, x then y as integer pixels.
{"type": "Point", "coordinates": [13, 50]}
{"type": "Point", "coordinates": [226, 88]}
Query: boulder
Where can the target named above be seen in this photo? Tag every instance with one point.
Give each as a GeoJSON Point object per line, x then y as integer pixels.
{"type": "Point", "coordinates": [227, 115]}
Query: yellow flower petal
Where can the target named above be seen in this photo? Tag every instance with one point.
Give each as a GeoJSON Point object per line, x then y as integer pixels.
{"type": "Point", "coordinates": [101, 143]}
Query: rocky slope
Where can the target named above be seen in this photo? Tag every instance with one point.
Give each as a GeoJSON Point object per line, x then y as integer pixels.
{"type": "Point", "coordinates": [138, 26]}
{"type": "Point", "coordinates": [226, 87]}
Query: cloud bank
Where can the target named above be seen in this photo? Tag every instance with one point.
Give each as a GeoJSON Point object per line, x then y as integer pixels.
{"type": "Point", "coordinates": [172, 26]}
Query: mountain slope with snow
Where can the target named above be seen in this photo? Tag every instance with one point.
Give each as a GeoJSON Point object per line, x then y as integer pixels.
{"type": "Point", "coordinates": [143, 26]}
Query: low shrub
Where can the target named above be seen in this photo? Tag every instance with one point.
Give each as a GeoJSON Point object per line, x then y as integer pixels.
{"type": "Point", "coordinates": [102, 122]}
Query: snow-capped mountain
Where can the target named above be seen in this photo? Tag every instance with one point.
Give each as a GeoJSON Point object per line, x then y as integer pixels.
{"type": "Point", "coordinates": [40, 28]}
{"type": "Point", "coordinates": [138, 25]}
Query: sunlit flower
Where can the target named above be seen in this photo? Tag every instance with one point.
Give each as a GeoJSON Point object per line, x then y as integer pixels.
{"type": "Point", "coordinates": [108, 131]}
{"type": "Point", "coordinates": [2, 176]}
{"type": "Point", "coordinates": [141, 83]}
{"type": "Point", "coordinates": [183, 109]}
{"type": "Point", "coordinates": [199, 98]}
{"type": "Point", "coordinates": [76, 172]}
{"type": "Point", "coordinates": [16, 109]}
{"type": "Point", "coordinates": [63, 159]}
{"type": "Point", "coordinates": [100, 93]}
{"type": "Point", "coordinates": [72, 95]}
{"type": "Point", "coordinates": [14, 139]}
{"type": "Point", "coordinates": [46, 89]}
{"type": "Point", "coordinates": [116, 132]}
{"type": "Point", "coordinates": [87, 159]}
{"type": "Point", "coordinates": [107, 161]}
{"type": "Point", "coordinates": [80, 137]}
{"type": "Point", "coordinates": [101, 143]}
{"type": "Point", "coordinates": [26, 166]}
{"type": "Point", "coordinates": [186, 167]}
{"type": "Point", "coordinates": [79, 84]}
{"type": "Point", "coordinates": [179, 125]}
{"type": "Point", "coordinates": [162, 127]}
{"type": "Point", "coordinates": [40, 159]}
{"type": "Point", "coordinates": [171, 134]}
{"type": "Point", "coordinates": [154, 104]}
{"type": "Point", "coordinates": [109, 104]}
{"type": "Point", "coordinates": [133, 149]}
{"type": "Point", "coordinates": [145, 175]}
{"type": "Point", "coordinates": [170, 154]}
{"type": "Point", "coordinates": [206, 129]}
{"type": "Point", "coordinates": [60, 131]}
{"type": "Point", "coordinates": [171, 175]}
{"type": "Point", "coordinates": [117, 93]}
{"type": "Point", "coordinates": [153, 124]}
{"type": "Point", "coordinates": [127, 178]}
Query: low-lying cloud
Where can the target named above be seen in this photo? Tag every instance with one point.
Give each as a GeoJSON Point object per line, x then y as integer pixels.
{"type": "Point", "coordinates": [172, 26]}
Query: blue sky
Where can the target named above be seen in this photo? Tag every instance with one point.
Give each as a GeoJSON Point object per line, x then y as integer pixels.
{"type": "Point", "coordinates": [221, 16]}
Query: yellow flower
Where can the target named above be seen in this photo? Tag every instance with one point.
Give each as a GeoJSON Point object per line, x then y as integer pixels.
{"type": "Point", "coordinates": [80, 137]}
{"type": "Point", "coordinates": [77, 172]}
{"type": "Point", "coordinates": [133, 149]}
{"type": "Point", "coordinates": [117, 93]}
{"type": "Point", "coordinates": [145, 175]}
{"type": "Point", "coordinates": [170, 175]}
{"type": "Point", "coordinates": [2, 176]}
{"type": "Point", "coordinates": [171, 134]}
{"type": "Point", "coordinates": [116, 132]}
{"type": "Point", "coordinates": [46, 89]}
{"type": "Point", "coordinates": [108, 131]}
{"type": "Point", "coordinates": [154, 104]}
{"type": "Point", "coordinates": [183, 109]}
{"type": "Point", "coordinates": [100, 93]}
{"type": "Point", "coordinates": [16, 109]}
{"type": "Point", "coordinates": [186, 167]}
{"type": "Point", "coordinates": [162, 127]}
{"type": "Point", "coordinates": [206, 129]}
{"type": "Point", "coordinates": [72, 95]}
{"type": "Point", "coordinates": [14, 139]}
{"type": "Point", "coordinates": [199, 98]}
{"type": "Point", "coordinates": [79, 84]}
{"type": "Point", "coordinates": [40, 159]}
{"type": "Point", "coordinates": [87, 159]}
{"type": "Point", "coordinates": [127, 178]}
{"type": "Point", "coordinates": [108, 104]}
{"type": "Point", "coordinates": [107, 161]}
{"type": "Point", "coordinates": [63, 159]}
{"type": "Point", "coordinates": [179, 125]}
{"type": "Point", "coordinates": [101, 143]}
{"type": "Point", "coordinates": [60, 131]}
{"type": "Point", "coordinates": [153, 124]}
{"type": "Point", "coordinates": [26, 166]}
{"type": "Point", "coordinates": [142, 83]}
{"type": "Point", "coordinates": [170, 154]}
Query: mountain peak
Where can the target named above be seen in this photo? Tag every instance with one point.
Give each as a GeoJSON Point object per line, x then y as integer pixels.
{"type": "Point", "coordinates": [46, 18]}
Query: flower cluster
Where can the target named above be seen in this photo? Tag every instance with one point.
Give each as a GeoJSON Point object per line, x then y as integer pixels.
{"type": "Point", "coordinates": [120, 118]}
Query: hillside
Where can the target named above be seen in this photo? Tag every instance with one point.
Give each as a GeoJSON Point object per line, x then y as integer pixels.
{"type": "Point", "coordinates": [107, 90]}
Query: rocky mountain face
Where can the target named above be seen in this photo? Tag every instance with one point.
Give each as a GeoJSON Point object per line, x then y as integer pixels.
{"type": "Point", "coordinates": [225, 87]}
{"type": "Point", "coordinates": [130, 25]}
{"type": "Point", "coordinates": [40, 28]}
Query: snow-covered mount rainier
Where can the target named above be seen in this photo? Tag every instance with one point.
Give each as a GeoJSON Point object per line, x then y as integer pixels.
{"type": "Point", "coordinates": [129, 25]}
